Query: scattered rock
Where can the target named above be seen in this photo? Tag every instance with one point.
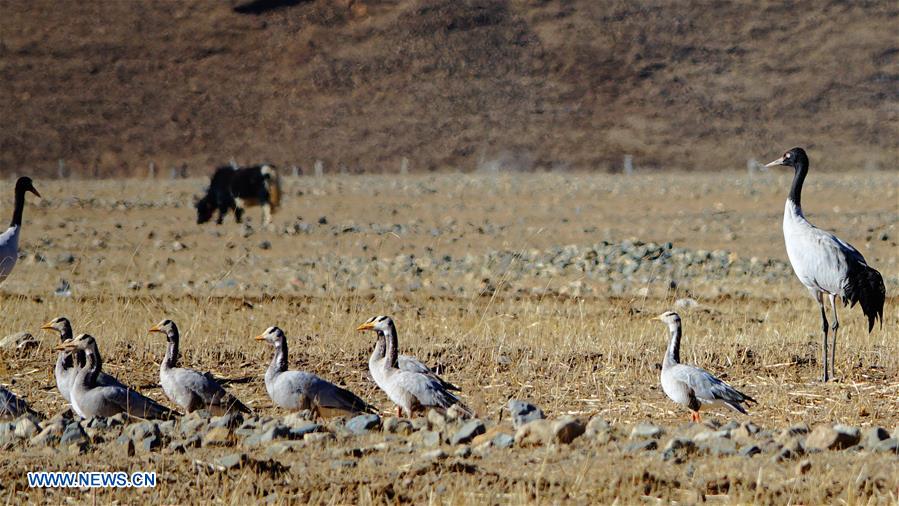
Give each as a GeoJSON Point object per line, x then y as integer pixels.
{"type": "Point", "coordinates": [74, 434]}
{"type": "Point", "coordinates": [803, 467]}
{"type": "Point", "coordinates": [523, 412]}
{"type": "Point", "coordinates": [232, 460]}
{"type": "Point", "coordinates": [218, 436]}
{"type": "Point", "coordinates": [20, 341]}
{"type": "Point", "coordinates": [646, 430]}
{"type": "Point", "coordinates": [436, 420]}
{"type": "Point", "coordinates": [567, 429]}
{"type": "Point", "coordinates": [229, 420]}
{"type": "Point", "coordinates": [503, 440]}
{"type": "Point", "coordinates": [363, 423]}
{"type": "Point", "coordinates": [266, 435]}
{"type": "Point", "coordinates": [837, 437]}
{"type": "Point", "coordinates": [463, 452]}
{"type": "Point", "coordinates": [749, 451]}
{"type": "Point", "coordinates": [437, 454]}
{"type": "Point", "coordinates": [890, 445]}
{"type": "Point", "coordinates": [597, 425]}
{"type": "Point", "coordinates": [874, 436]}
{"type": "Point", "coordinates": [395, 425]}
{"type": "Point", "coordinates": [678, 448]}
{"type": "Point", "coordinates": [26, 428]}
{"type": "Point", "coordinates": [300, 431]}
{"type": "Point", "coordinates": [533, 433]}
{"type": "Point", "coordinates": [468, 431]}
{"type": "Point", "coordinates": [641, 446]}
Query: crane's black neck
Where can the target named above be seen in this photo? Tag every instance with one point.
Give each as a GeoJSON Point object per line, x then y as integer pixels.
{"type": "Point", "coordinates": [392, 351]}
{"type": "Point", "coordinates": [801, 169]}
{"type": "Point", "coordinates": [673, 354]}
{"type": "Point", "coordinates": [17, 209]}
{"type": "Point", "coordinates": [171, 354]}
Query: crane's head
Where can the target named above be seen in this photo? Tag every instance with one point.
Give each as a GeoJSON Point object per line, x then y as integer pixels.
{"type": "Point", "coordinates": [24, 184]}
{"type": "Point", "coordinates": [791, 158]}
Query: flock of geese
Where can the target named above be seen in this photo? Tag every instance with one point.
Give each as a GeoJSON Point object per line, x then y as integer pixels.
{"type": "Point", "coordinates": [828, 267]}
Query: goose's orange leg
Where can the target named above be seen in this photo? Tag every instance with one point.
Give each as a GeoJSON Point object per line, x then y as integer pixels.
{"type": "Point", "coordinates": [694, 416]}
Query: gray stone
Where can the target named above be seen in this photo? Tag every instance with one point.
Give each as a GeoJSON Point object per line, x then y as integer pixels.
{"type": "Point", "coordinates": [534, 433]}
{"type": "Point", "coordinates": [641, 446]}
{"type": "Point", "coordinates": [566, 429]}
{"type": "Point", "coordinates": [232, 460]}
{"type": "Point", "coordinates": [395, 425]}
{"type": "Point", "coordinates": [463, 452]}
{"type": "Point", "coordinates": [343, 464]}
{"type": "Point", "coordinates": [597, 425]}
{"type": "Point", "coordinates": [363, 423]}
{"type": "Point", "coordinates": [523, 412]}
{"type": "Point", "coordinates": [26, 428]}
{"type": "Point", "coordinates": [838, 437]}
{"type": "Point", "coordinates": [503, 440]}
{"type": "Point", "coordinates": [890, 445]}
{"type": "Point", "coordinates": [267, 435]}
{"type": "Point", "coordinates": [678, 448]}
{"type": "Point", "coordinates": [166, 428]}
{"type": "Point", "coordinates": [437, 454]}
{"type": "Point", "coordinates": [73, 434]}
{"type": "Point", "coordinates": [646, 430]}
{"type": "Point", "coordinates": [749, 451]}
{"type": "Point", "coordinates": [796, 430]}
{"type": "Point", "coordinates": [151, 442]}
{"type": "Point", "coordinates": [430, 438]}
{"type": "Point", "coordinates": [219, 436]}
{"type": "Point", "coordinates": [318, 437]}
{"type": "Point", "coordinates": [718, 447]}
{"type": "Point", "coordinates": [467, 432]}
{"type": "Point", "coordinates": [300, 431]}
{"type": "Point", "coordinates": [20, 341]}
{"type": "Point", "coordinates": [118, 419]}
{"type": "Point", "coordinates": [229, 420]}
{"type": "Point", "coordinates": [436, 420]}
{"type": "Point", "coordinates": [874, 436]}
{"type": "Point", "coordinates": [190, 425]}
{"type": "Point", "coordinates": [139, 431]}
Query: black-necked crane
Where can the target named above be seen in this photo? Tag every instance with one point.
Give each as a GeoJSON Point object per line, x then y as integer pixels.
{"type": "Point", "coordinates": [825, 264]}
{"type": "Point", "coordinates": [9, 240]}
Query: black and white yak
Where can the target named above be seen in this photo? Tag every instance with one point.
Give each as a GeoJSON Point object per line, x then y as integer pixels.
{"type": "Point", "coordinates": [237, 189]}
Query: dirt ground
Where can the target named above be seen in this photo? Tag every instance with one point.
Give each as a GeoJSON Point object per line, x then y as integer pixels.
{"type": "Point", "coordinates": [132, 255]}
{"type": "Point", "coordinates": [518, 85]}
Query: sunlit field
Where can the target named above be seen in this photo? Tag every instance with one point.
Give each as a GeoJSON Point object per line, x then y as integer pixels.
{"type": "Point", "coordinates": [539, 287]}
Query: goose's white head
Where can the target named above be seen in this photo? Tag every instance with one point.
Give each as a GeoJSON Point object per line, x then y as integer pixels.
{"type": "Point", "coordinates": [669, 317]}
{"type": "Point", "coordinates": [166, 327]}
{"type": "Point", "coordinates": [272, 335]}
{"type": "Point", "coordinates": [379, 324]}
{"type": "Point", "coordinates": [60, 324]}
{"type": "Point", "coordinates": [82, 342]}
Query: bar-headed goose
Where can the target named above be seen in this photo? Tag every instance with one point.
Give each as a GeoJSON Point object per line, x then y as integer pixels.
{"type": "Point", "coordinates": [188, 388]}
{"type": "Point", "coordinates": [68, 363]}
{"type": "Point", "coordinates": [410, 391]}
{"type": "Point", "coordinates": [689, 385]}
{"type": "Point", "coordinates": [91, 400]}
{"type": "Point", "coordinates": [298, 390]}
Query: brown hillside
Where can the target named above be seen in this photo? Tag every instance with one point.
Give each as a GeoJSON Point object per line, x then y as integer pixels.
{"type": "Point", "coordinates": [111, 85]}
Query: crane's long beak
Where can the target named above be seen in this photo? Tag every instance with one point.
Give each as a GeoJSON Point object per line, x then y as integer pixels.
{"type": "Point", "coordinates": [365, 326]}
{"type": "Point", "coordinates": [779, 161]}
{"type": "Point", "coordinates": [34, 191]}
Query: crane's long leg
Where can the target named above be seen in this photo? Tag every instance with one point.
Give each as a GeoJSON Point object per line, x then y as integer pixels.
{"type": "Point", "coordinates": [820, 298]}
{"type": "Point", "coordinates": [833, 339]}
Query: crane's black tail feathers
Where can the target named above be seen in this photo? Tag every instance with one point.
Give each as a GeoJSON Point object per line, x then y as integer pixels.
{"type": "Point", "coordinates": [865, 286]}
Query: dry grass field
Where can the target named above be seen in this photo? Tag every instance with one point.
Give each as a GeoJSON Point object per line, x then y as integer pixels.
{"type": "Point", "coordinates": [482, 275]}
